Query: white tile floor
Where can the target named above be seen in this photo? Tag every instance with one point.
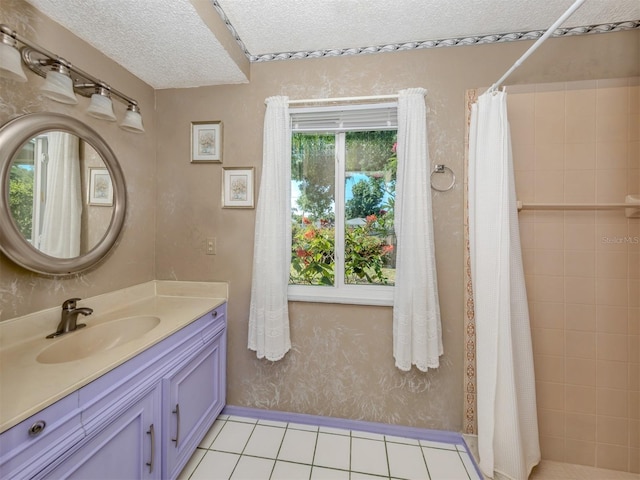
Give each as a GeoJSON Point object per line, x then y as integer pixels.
{"type": "Point", "coordinates": [249, 449]}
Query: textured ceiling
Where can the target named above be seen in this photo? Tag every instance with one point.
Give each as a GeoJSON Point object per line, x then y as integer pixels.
{"type": "Point", "coordinates": [167, 44]}
{"type": "Point", "coordinates": [163, 42]}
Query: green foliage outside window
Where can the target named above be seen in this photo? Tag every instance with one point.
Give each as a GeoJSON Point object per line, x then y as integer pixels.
{"type": "Point", "coordinates": [367, 196]}
{"type": "Point", "coordinates": [312, 259]}
{"type": "Point", "coordinates": [366, 254]}
{"type": "Point", "coordinates": [21, 199]}
{"type": "Point", "coordinates": [369, 256]}
{"type": "Point", "coordinates": [310, 155]}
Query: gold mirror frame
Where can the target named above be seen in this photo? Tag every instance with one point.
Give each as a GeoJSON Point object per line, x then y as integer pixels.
{"type": "Point", "coordinates": [13, 135]}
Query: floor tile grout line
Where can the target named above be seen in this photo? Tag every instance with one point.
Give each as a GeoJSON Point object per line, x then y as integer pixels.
{"type": "Point", "coordinates": [275, 460]}
{"type": "Point", "coordinates": [464, 465]}
{"type": "Point", "coordinates": [243, 448]}
{"type": "Point", "coordinates": [441, 448]}
{"type": "Point", "coordinates": [273, 467]}
{"type": "Point", "coordinates": [224, 422]}
{"type": "Point", "coordinates": [350, 450]}
{"type": "Point", "coordinates": [313, 458]}
{"type": "Point", "coordinates": [197, 465]}
{"type": "Point", "coordinates": [386, 451]}
{"type": "Point", "coordinates": [351, 470]}
{"type": "Point", "coordinates": [426, 464]}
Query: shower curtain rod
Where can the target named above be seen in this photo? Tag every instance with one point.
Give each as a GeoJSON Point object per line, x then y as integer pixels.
{"type": "Point", "coordinates": [344, 99]}
{"type": "Point", "coordinates": [577, 4]}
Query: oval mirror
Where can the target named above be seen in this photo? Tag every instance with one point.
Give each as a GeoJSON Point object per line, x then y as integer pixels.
{"type": "Point", "coordinates": [63, 198]}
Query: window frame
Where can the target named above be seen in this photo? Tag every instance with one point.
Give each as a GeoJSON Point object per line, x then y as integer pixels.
{"type": "Point", "coordinates": [340, 292]}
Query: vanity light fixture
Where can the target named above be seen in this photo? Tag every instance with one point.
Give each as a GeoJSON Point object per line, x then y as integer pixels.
{"type": "Point", "coordinates": [132, 119]}
{"type": "Point", "coordinates": [63, 80]}
{"type": "Point", "coordinates": [58, 85]}
{"type": "Point", "coordinates": [10, 65]}
{"type": "Point", "coordinates": [101, 105]}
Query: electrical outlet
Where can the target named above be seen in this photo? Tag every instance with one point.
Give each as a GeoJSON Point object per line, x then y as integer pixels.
{"type": "Point", "coordinates": [211, 246]}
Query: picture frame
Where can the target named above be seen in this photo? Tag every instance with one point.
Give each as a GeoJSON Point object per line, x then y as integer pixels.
{"type": "Point", "coordinates": [238, 187]}
{"type": "Point", "coordinates": [206, 142]}
{"type": "Point", "coordinates": [100, 187]}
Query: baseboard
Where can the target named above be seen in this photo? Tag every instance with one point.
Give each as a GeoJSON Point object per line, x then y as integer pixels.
{"type": "Point", "coordinates": [348, 424]}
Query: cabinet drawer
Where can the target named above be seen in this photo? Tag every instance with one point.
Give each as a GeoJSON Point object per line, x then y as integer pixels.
{"type": "Point", "coordinates": [42, 439]}
{"type": "Point", "coordinates": [217, 320]}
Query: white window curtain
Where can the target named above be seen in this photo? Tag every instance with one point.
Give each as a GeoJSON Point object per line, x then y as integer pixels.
{"type": "Point", "coordinates": [507, 420]}
{"type": "Point", "coordinates": [63, 199]}
{"type": "Point", "coordinates": [417, 331]}
{"type": "Point", "coordinates": [269, 313]}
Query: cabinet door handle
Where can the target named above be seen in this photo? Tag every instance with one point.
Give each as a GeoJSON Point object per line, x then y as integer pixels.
{"type": "Point", "coordinates": [177, 412]}
{"type": "Point", "coordinates": [214, 314]}
{"type": "Point", "coordinates": [152, 432]}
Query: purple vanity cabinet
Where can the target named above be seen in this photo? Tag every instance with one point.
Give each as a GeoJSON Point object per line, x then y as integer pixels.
{"type": "Point", "coordinates": [192, 395]}
{"type": "Point", "coordinates": [143, 419]}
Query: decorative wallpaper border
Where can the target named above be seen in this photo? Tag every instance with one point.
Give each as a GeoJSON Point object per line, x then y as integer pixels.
{"type": "Point", "coordinates": [470, 423]}
{"type": "Point", "coordinates": [449, 42]}
{"type": "Point", "coordinates": [227, 22]}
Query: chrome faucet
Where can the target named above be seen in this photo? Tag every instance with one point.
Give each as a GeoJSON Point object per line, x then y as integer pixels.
{"type": "Point", "coordinates": [69, 317]}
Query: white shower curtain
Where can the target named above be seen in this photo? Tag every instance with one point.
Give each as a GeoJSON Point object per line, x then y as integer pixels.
{"type": "Point", "coordinates": [269, 314]}
{"type": "Point", "coordinates": [507, 420]}
{"type": "Point", "coordinates": [63, 199]}
{"type": "Point", "coordinates": [417, 332]}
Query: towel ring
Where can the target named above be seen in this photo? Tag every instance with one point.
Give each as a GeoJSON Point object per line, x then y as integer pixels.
{"type": "Point", "coordinates": [442, 169]}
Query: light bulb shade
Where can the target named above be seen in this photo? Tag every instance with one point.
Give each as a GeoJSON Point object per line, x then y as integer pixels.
{"type": "Point", "coordinates": [10, 63]}
{"type": "Point", "coordinates": [101, 107]}
{"type": "Point", "coordinates": [59, 87]}
{"type": "Point", "coordinates": [132, 121]}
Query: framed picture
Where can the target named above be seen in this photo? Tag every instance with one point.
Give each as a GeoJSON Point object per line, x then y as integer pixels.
{"type": "Point", "coordinates": [206, 142]}
{"type": "Point", "coordinates": [237, 187]}
{"type": "Point", "coordinates": [100, 187]}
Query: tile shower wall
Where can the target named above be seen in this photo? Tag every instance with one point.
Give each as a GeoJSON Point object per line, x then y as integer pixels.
{"type": "Point", "coordinates": [579, 143]}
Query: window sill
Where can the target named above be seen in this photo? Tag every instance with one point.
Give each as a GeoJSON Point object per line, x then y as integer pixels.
{"type": "Point", "coordinates": [353, 295]}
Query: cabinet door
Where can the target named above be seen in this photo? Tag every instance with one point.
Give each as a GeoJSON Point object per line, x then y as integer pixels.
{"type": "Point", "coordinates": [194, 396]}
{"type": "Point", "coordinates": [127, 448]}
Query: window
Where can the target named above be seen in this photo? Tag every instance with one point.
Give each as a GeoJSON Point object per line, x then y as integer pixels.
{"type": "Point", "coordinates": [343, 166]}
{"type": "Point", "coordinates": [27, 187]}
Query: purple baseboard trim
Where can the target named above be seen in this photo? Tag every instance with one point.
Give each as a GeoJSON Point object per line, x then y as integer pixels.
{"type": "Point", "coordinates": [441, 436]}
{"type": "Point", "coordinates": [347, 424]}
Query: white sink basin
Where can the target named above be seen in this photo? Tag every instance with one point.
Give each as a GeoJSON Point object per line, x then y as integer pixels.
{"type": "Point", "coordinates": [98, 338]}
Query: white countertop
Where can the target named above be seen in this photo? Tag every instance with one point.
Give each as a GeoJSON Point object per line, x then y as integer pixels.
{"type": "Point", "coordinates": [27, 386]}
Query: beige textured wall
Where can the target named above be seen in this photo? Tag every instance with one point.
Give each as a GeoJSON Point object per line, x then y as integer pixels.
{"type": "Point", "coordinates": [341, 362]}
{"type": "Point", "coordinates": [132, 261]}
{"type": "Point", "coordinates": [577, 142]}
